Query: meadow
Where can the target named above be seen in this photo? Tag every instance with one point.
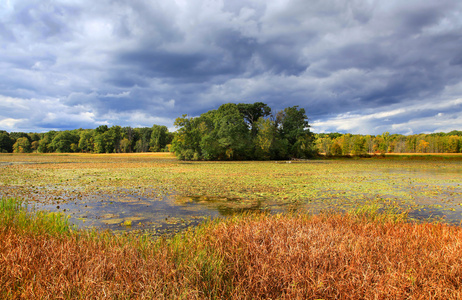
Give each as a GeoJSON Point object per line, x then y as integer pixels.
{"type": "Point", "coordinates": [372, 228]}
{"type": "Point", "coordinates": [157, 193]}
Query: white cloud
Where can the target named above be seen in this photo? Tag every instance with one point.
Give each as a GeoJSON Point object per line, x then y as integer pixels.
{"type": "Point", "coordinates": [9, 124]}
{"type": "Point", "coordinates": [440, 116]}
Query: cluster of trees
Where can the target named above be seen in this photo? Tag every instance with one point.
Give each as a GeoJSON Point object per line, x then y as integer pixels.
{"type": "Point", "coordinates": [232, 132]}
{"type": "Point", "coordinates": [244, 131]}
{"type": "Point", "coordinates": [336, 144]}
{"type": "Point", "coordinates": [103, 139]}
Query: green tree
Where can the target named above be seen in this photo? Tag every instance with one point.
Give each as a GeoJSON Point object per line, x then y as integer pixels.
{"type": "Point", "coordinates": [411, 144]}
{"type": "Point", "coordinates": [204, 129]}
{"type": "Point", "coordinates": [129, 135]}
{"type": "Point", "coordinates": [6, 142]}
{"type": "Point", "coordinates": [359, 145]}
{"type": "Point", "coordinates": [265, 139]}
{"type": "Point", "coordinates": [336, 149]}
{"type": "Point", "coordinates": [293, 126]}
{"type": "Point", "coordinates": [125, 145]}
{"type": "Point", "coordinates": [385, 141]}
{"type": "Point", "coordinates": [232, 132]}
{"type": "Point", "coordinates": [44, 143]}
{"type": "Point", "coordinates": [16, 135]}
{"type": "Point", "coordinates": [187, 139]}
{"type": "Point", "coordinates": [217, 134]}
{"type": "Point", "coordinates": [252, 113]}
{"type": "Point", "coordinates": [99, 142]}
{"type": "Point", "coordinates": [86, 141]}
{"type": "Point", "coordinates": [101, 139]}
{"type": "Point", "coordinates": [144, 137]}
{"type": "Point", "coordinates": [113, 137]}
{"type": "Point", "coordinates": [159, 138]}
{"type": "Point", "coordinates": [101, 129]}
{"type": "Point", "coordinates": [62, 142]}
{"type": "Point", "coordinates": [22, 145]}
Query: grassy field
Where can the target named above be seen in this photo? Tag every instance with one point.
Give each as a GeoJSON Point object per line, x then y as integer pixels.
{"type": "Point", "coordinates": [362, 255]}
{"type": "Point", "coordinates": [145, 189]}
{"type": "Point", "coordinates": [359, 244]}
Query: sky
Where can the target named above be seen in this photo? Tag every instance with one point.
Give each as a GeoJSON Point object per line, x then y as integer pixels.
{"type": "Point", "coordinates": [362, 67]}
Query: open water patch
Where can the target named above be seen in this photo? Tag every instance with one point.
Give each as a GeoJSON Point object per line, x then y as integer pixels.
{"type": "Point", "coordinates": [130, 212]}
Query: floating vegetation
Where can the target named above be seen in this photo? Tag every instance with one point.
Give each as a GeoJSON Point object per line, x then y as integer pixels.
{"type": "Point", "coordinates": [158, 193]}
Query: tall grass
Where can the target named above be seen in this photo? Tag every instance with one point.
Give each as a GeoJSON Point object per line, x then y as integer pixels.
{"type": "Point", "coordinates": [329, 256]}
{"type": "Point", "coordinates": [15, 213]}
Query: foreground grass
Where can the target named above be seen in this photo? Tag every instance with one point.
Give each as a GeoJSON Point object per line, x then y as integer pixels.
{"type": "Point", "coordinates": [361, 255]}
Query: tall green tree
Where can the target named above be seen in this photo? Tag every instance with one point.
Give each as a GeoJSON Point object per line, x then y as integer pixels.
{"type": "Point", "coordinates": [114, 136]}
{"type": "Point", "coordinates": [293, 126]}
{"type": "Point", "coordinates": [63, 141]}
{"type": "Point", "coordinates": [159, 136]}
{"type": "Point", "coordinates": [253, 112]}
{"type": "Point", "coordinates": [44, 143]}
{"type": "Point", "coordinates": [86, 141]}
{"type": "Point", "coordinates": [6, 142]}
{"type": "Point", "coordinates": [265, 147]}
{"type": "Point", "coordinates": [99, 141]}
{"type": "Point", "coordinates": [143, 139]}
{"type": "Point", "coordinates": [128, 138]}
{"type": "Point", "coordinates": [232, 132]}
{"type": "Point", "coordinates": [186, 143]}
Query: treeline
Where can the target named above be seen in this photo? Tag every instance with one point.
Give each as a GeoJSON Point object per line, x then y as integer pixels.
{"type": "Point", "coordinates": [336, 144]}
{"type": "Point", "coordinates": [103, 139]}
{"type": "Point", "coordinates": [232, 132]}
{"type": "Point", "coordinates": [244, 131]}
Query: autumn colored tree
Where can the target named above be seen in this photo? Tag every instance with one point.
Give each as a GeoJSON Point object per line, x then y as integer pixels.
{"type": "Point", "coordinates": [22, 145]}
{"type": "Point", "coordinates": [422, 147]}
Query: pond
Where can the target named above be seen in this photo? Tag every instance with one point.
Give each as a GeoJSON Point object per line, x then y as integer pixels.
{"type": "Point", "coordinates": [129, 211]}
{"type": "Point", "coordinates": [135, 213]}
{"type": "Point", "coordinates": [148, 194]}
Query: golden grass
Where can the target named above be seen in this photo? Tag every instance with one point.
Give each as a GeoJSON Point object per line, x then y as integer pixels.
{"type": "Point", "coordinates": [329, 256]}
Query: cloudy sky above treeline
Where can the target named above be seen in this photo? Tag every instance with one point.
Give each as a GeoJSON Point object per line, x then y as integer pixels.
{"type": "Point", "coordinates": [355, 66]}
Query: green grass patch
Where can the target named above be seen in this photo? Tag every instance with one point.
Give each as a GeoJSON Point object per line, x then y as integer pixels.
{"type": "Point", "coordinates": [14, 213]}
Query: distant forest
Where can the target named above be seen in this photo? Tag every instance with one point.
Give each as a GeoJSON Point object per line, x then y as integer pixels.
{"type": "Point", "coordinates": [232, 132]}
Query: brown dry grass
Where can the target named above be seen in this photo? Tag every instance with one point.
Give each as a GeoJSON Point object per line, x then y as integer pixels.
{"type": "Point", "coordinates": [250, 257]}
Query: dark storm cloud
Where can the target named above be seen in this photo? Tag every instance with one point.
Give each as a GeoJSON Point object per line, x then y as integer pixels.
{"type": "Point", "coordinates": [358, 66]}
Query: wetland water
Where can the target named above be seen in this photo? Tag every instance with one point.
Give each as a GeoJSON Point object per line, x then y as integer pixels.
{"type": "Point", "coordinates": [162, 195]}
{"type": "Point", "coordinates": [132, 212]}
